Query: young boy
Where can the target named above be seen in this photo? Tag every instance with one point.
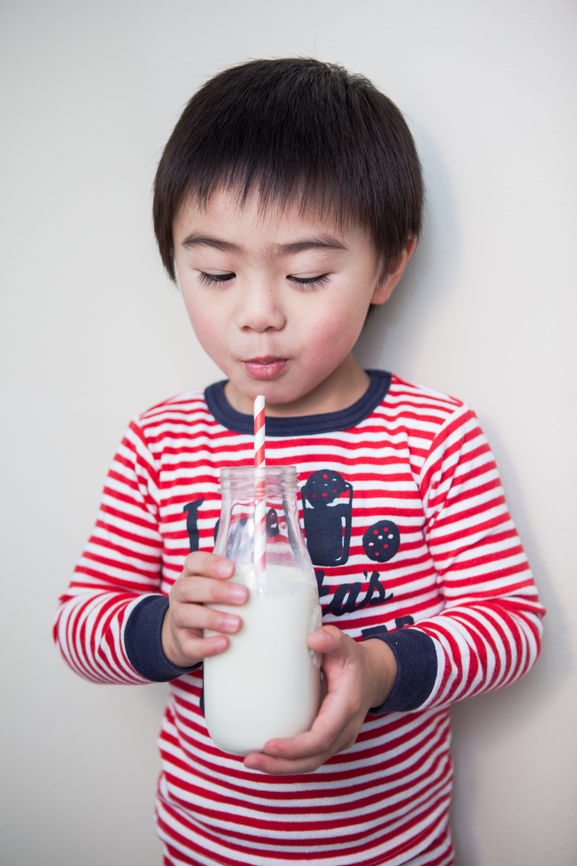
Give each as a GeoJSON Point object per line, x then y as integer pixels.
{"type": "Point", "coordinates": [287, 202]}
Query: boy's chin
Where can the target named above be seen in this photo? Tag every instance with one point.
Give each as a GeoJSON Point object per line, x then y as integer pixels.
{"type": "Point", "coordinates": [278, 403]}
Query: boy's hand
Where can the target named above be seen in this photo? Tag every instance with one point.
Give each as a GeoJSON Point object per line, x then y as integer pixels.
{"type": "Point", "coordinates": [205, 580]}
{"type": "Point", "coordinates": [358, 676]}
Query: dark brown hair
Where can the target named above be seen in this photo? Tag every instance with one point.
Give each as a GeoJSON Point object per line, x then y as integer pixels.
{"type": "Point", "coordinates": [295, 130]}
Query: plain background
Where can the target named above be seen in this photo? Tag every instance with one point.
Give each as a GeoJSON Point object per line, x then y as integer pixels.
{"type": "Point", "coordinates": [93, 332]}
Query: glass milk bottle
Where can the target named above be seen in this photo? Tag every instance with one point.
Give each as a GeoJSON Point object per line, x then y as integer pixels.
{"type": "Point", "coordinates": [266, 684]}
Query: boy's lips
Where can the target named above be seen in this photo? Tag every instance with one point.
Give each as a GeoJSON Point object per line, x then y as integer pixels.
{"type": "Point", "coordinates": [265, 368]}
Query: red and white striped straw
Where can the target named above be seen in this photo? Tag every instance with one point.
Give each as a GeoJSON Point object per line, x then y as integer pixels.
{"type": "Point", "coordinates": [260, 485]}
{"type": "Point", "coordinates": [259, 431]}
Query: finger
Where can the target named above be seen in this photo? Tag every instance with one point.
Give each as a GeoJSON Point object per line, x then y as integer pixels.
{"type": "Point", "coordinates": [187, 646]}
{"type": "Point", "coordinates": [301, 754]}
{"type": "Point", "coordinates": [197, 648]}
{"type": "Point", "coordinates": [200, 562]}
{"type": "Point", "coordinates": [328, 639]}
{"type": "Point", "coordinates": [201, 618]}
{"type": "Point", "coordinates": [199, 589]}
{"type": "Point", "coordinates": [298, 760]}
{"type": "Point", "coordinates": [281, 767]}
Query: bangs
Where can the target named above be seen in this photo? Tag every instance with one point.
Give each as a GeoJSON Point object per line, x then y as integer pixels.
{"type": "Point", "coordinates": [274, 191]}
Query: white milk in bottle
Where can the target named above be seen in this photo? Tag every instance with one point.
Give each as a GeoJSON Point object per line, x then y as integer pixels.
{"type": "Point", "coordinates": [267, 683]}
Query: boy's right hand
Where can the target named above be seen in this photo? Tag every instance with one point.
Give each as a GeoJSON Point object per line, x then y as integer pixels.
{"type": "Point", "coordinates": [205, 581]}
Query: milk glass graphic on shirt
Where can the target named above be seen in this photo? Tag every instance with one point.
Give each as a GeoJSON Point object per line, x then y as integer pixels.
{"type": "Point", "coordinates": [267, 683]}
{"type": "Point", "coordinates": [327, 501]}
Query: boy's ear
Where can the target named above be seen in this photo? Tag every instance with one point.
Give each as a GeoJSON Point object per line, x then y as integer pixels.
{"type": "Point", "coordinates": [388, 280]}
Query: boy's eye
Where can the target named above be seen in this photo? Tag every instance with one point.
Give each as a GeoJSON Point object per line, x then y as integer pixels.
{"type": "Point", "coordinates": [214, 279]}
{"type": "Point", "coordinates": [313, 281]}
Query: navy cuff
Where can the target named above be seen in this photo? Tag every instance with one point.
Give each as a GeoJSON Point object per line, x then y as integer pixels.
{"type": "Point", "coordinates": [143, 641]}
{"type": "Point", "coordinates": [416, 668]}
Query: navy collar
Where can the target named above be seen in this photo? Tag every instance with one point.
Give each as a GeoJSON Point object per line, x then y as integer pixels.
{"type": "Point", "coordinates": [303, 425]}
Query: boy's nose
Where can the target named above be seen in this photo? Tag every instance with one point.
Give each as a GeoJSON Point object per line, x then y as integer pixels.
{"type": "Point", "coordinates": [259, 309]}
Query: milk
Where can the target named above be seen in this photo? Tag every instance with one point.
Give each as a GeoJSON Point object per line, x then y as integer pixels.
{"type": "Point", "coordinates": [266, 684]}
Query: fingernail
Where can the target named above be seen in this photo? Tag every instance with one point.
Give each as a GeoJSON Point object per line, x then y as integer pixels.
{"type": "Point", "coordinates": [236, 592]}
{"type": "Point", "coordinates": [225, 568]}
{"type": "Point", "coordinates": [231, 623]}
{"type": "Point", "coordinates": [219, 644]}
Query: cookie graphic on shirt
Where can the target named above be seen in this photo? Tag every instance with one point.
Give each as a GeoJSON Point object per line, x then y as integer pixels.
{"type": "Point", "coordinates": [382, 540]}
{"type": "Point", "coordinates": [323, 487]}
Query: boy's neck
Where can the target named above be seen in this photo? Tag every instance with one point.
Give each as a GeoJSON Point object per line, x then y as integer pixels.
{"type": "Point", "coordinates": [341, 389]}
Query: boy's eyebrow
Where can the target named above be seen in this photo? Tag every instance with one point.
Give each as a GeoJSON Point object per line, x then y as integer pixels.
{"type": "Point", "coordinates": [315, 242]}
{"type": "Point", "coordinates": [196, 240]}
{"type": "Point", "coordinates": [322, 242]}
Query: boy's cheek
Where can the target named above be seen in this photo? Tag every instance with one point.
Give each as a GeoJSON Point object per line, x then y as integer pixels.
{"type": "Point", "coordinates": [205, 320]}
{"type": "Point", "coordinates": [207, 330]}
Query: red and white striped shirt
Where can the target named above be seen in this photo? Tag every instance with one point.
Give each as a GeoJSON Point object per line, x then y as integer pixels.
{"type": "Point", "coordinates": [412, 542]}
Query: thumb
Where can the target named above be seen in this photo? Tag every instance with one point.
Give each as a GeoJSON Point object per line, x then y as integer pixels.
{"type": "Point", "coordinates": [328, 639]}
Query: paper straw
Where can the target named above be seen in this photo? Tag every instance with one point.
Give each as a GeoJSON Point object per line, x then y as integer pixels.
{"type": "Point", "coordinates": [260, 486]}
{"type": "Point", "coordinates": [259, 430]}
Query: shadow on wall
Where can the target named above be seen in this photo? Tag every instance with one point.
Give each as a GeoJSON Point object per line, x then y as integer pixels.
{"type": "Point", "coordinates": [393, 331]}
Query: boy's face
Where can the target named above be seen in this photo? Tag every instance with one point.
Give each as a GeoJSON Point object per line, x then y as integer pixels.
{"type": "Point", "coordinates": [278, 300]}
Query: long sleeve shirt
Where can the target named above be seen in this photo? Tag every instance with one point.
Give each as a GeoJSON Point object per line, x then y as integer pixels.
{"type": "Point", "coordinates": [406, 522]}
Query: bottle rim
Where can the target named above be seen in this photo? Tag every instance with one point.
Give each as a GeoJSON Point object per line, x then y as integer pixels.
{"type": "Point", "coordinates": [285, 475]}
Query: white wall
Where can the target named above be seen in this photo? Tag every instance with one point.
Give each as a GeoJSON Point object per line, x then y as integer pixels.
{"type": "Point", "coordinates": [92, 332]}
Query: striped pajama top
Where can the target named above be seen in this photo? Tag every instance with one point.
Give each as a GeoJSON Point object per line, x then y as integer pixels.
{"type": "Point", "coordinates": [407, 526]}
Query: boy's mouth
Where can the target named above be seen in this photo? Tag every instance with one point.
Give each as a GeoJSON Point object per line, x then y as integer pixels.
{"type": "Point", "coordinates": [265, 368]}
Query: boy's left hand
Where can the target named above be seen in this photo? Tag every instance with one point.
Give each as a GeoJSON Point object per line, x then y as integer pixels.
{"type": "Point", "coordinates": [358, 676]}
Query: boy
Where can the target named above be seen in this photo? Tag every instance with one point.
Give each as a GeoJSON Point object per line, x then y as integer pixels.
{"type": "Point", "coordinates": [288, 201]}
